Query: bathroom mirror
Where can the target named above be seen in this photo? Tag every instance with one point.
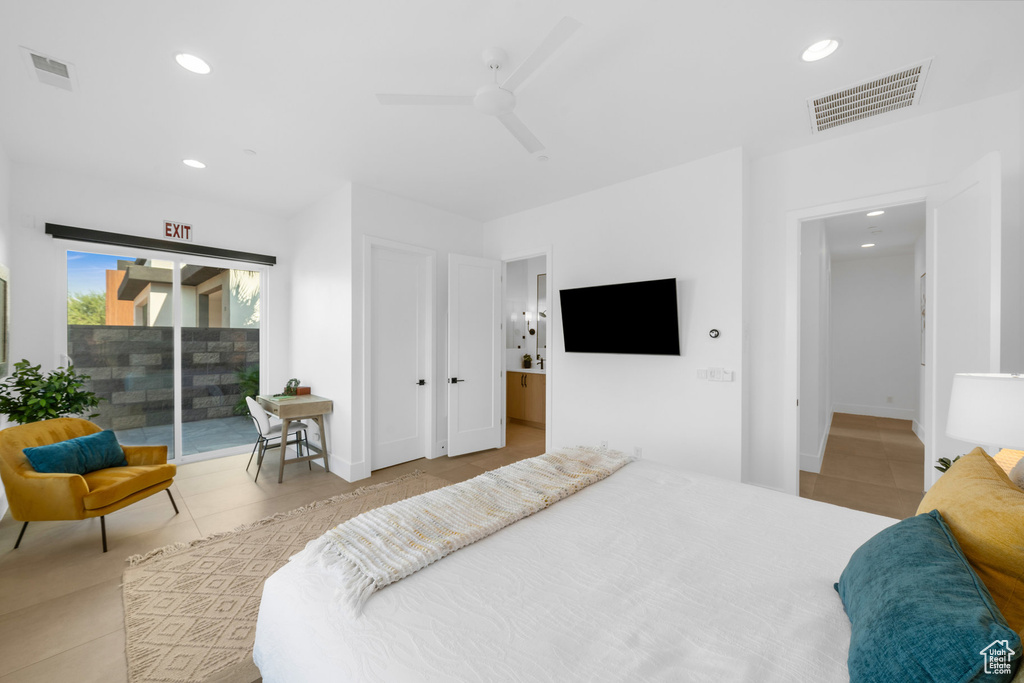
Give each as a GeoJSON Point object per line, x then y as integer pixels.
{"type": "Point", "coordinates": [542, 313]}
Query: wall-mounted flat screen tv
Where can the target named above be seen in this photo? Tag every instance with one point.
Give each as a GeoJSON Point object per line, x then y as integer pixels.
{"type": "Point", "coordinates": [631, 317]}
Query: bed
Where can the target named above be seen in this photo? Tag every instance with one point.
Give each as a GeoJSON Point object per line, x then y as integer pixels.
{"type": "Point", "coordinates": [653, 574]}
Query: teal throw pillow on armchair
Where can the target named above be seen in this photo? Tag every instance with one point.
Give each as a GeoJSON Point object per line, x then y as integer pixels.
{"type": "Point", "coordinates": [80, 455]}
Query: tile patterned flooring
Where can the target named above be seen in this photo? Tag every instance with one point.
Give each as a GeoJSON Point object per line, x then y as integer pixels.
{"type": "Point", "coordinates": [61, 615]}
{"type": "Point", "coordinates": [872, 464]}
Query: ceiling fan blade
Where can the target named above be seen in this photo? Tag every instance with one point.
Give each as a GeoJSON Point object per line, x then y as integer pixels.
{"type": "Point", "coordinates": [458, 100]}
{"type": "Point", "coordinates": [520, 132]}
{"type": "Point", "coordinates": [559, 34]}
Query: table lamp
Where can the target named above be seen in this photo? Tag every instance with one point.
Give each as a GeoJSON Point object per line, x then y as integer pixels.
{"type": "Point", "coordinates": [987, 409]}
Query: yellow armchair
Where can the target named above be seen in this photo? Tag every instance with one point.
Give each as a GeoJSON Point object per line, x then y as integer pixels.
{"type": "Point", "coordinates": [36, 496]}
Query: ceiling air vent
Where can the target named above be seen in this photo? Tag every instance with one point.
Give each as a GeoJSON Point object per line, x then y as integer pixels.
{"type": "Point", "coordinates": [870, 98]}
{"type": "Point", "coordinates": [50, 71]}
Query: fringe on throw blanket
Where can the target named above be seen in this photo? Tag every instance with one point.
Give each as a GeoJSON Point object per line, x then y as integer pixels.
{"type": "Point", "coordinates": [387, 544]}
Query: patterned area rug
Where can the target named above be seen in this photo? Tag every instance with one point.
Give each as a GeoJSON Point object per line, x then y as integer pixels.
{"type": "Point", "coordinates": [190, 608]}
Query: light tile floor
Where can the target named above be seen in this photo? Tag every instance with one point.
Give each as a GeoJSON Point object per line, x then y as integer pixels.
{"type": "Point", "coordinates": [872, 464]}
{"type": "Point", "coordinates": [61, 615]}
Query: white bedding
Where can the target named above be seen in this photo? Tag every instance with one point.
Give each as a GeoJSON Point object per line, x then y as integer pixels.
{"type": "Point", "coordinates": [653, 574]}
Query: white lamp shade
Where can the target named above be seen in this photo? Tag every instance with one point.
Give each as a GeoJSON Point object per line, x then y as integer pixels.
{"type": "Point", "coordinates": [987, 409]}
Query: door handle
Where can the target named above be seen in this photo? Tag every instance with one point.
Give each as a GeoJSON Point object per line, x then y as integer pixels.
{"type": "Point", "coordinates": [421, 382]}
{"type": "Point", "coordinates": [522, 380]}
{"type": "Point", "coordinates": [453, 380]}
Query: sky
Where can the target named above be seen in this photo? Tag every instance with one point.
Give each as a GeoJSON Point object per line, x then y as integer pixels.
{"type": "Point", "coordinates": [87, 272]}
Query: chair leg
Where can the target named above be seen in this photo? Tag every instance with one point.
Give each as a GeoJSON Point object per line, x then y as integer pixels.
{"type": "Point", "coordinates": [23, 527]}
{"type": "Point", "coordinates": [103, 531]}
{"type": "Point", "coordinates": [252, 454]}
{"type": "Point", "coordinates": [259, 461]}
{"type": "Point", "coordinates": [173, 504]}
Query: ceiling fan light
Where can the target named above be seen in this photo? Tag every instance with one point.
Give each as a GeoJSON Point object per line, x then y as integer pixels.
{"type": "Point", "coordinates": [493, 100]}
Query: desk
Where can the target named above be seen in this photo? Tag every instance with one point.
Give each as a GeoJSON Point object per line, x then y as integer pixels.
{"type": "Point", "coordinates": [293, 408]}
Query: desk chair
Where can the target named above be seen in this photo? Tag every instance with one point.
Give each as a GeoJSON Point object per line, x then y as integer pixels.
{"type": "Point", "coordinates": [268, 432]}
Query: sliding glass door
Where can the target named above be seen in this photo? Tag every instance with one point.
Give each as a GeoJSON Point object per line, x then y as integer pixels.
{"type": "Point", "coordinates": [220, 356]}
{"type": "Point", "coordinates": [172, 347]}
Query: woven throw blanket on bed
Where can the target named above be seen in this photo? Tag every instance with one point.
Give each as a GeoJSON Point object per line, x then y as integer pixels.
{"type": "Point", "coordinates": [391, 542]}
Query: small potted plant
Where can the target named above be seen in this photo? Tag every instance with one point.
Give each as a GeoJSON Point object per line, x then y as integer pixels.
{"type": "Point", "coordinates": [527, 361]}
{"type": "Point", "coordinates": [29, 395]}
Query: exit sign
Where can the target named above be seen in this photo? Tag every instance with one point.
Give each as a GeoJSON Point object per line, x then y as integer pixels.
{"type": "Point", "coordinates": [178, 231]}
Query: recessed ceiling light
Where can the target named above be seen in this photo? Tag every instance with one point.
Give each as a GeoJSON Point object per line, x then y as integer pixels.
{"type": "Point", "coordinates": [876, 213]}
{"type": "Point", "coordinates": [192, 63]}
{"type": "Point", "coordinates": [194, 163]}
{"type": "Point", "coordinates": [250, 152]}
{"type": "Point", "coordinates": [820, 50]}
{"type": "Point", "coordinates": [542, 158]}
{"type": "Point", "coordinates": [867, 245]}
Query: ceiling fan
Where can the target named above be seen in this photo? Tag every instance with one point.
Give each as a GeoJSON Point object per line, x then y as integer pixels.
{"type": "Point", "coordinates": [497, 100]}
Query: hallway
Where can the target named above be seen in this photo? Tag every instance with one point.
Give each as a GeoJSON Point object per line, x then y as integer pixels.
{"type": "Point", "coordinates": [872, 464]}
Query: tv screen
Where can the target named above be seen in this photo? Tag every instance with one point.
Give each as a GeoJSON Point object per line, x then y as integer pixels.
{"type": "Point", "coordinates": [632, 317]}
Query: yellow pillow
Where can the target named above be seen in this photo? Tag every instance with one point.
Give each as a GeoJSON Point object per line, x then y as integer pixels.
{"type": "Point", "coordinates": [985, 512]}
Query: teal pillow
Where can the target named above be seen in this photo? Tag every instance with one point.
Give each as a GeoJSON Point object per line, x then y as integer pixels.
{"type": "Point", "coordinates": [918, 612]}
{"type": "Point", "coordinates": [81, 455]}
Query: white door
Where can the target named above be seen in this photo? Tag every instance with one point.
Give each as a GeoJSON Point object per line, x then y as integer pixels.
{"type": "Point", "coordinates": [474, 354]}
{"type": "Point", "coordinates": [963, 273]}
{"type": "Point", "coordinates": [400, 348]}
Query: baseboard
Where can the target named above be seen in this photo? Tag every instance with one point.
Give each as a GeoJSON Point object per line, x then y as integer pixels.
{"type": "Point", "coordinates": [528, 423]}
{"type": "Point", "coordinates": [349, 471]}
{"type": "Point", "coordinates": [810, 463]}
{"type": "Point", "coordinates": [918, 429]}
{"type": "Point", "coordinates": [875, 411]}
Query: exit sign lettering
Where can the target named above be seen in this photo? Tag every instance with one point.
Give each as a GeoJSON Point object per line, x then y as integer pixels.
{"type": "Point", "coordinates": [178, 231]}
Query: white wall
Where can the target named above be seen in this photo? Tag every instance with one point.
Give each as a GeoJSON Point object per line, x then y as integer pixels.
{"type": "Point", "coordinates": [842, 167]}
{"type": "Point", "coordinates": [920, 423]}
{"type": "Point", "coordinates": [319, 315]}
{"type": "Point", "coordinates": [876, 344]}
{"type": "Point", "coordinates": [38, 265]}
{"type": "Point", "coordinates": [5, 206]}
{"type": "Point", "coordinates": [685, 223]}
{"type": "Point", "coordinates": [5, 259]}
{"type": "Point", "coordinates": [815, 352]}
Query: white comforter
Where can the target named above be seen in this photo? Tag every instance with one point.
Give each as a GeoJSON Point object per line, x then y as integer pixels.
{"type": "Point", "coordinates": [654, 574]}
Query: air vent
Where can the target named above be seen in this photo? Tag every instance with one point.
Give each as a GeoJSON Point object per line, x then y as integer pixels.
{"type": "Point", "coordinates": [50, 71]}
{"type": "Point", "coordinates": [870, 98]}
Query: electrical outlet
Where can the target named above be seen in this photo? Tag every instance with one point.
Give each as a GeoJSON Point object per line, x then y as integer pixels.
{"type": "Point", "coordinates": [638, 452]}
{"type": "Point", "coordinates": [604, 445]}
